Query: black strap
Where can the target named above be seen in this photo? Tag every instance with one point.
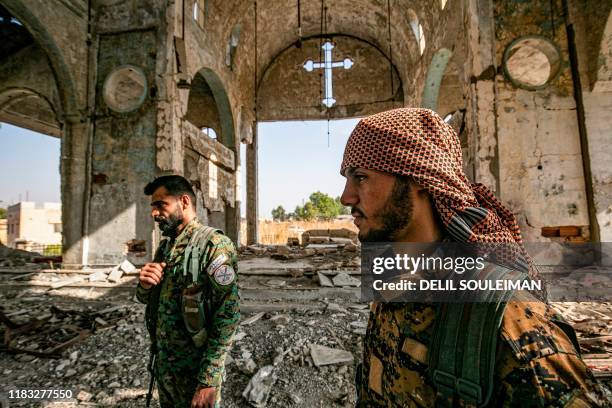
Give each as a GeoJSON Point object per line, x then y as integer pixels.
{"type": "Point", "coordinates": [463, 345]}
{"type": "Point", "coordinates": [151, 321]}
{"type": "Point", "coordinates": [191, 261]}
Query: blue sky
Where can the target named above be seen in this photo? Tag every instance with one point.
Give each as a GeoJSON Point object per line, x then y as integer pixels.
{"type": "Point", "coordinates": [294, 161]}
{"type": "Point", "coordinates": [29, 166]}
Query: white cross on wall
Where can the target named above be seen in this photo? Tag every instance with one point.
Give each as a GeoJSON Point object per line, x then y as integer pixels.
{"type": "Point", "coordinates": [327, 65]}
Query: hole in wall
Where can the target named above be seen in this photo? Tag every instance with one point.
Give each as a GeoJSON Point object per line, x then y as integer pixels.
{"type": "Point", "coordinates": [531, 62]}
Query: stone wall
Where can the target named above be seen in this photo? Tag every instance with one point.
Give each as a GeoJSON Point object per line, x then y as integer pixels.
{"type": "Point", "coordinates": [528, 147]}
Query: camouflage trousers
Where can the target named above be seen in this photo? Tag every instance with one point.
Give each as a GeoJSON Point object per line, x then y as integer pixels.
{"type": "Point", "coordinates": [176, 390]}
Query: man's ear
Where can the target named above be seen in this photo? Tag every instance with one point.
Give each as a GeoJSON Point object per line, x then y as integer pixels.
{"type": "Point", "coordinates": [185, 201]}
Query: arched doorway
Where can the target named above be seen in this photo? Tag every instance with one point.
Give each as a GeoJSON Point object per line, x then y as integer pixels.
{"type": "Point", "coordinates": [211, 161]}
{"type": "Point", "coordinates": [33, 99]}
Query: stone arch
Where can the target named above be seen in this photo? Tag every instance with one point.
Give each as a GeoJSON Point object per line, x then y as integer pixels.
{"type": "Point", "coordinates": [279, 103]}
{"type": "Point", "coordinates": [29, 109]}
{"type": "Point", "coordinates": [209, 106]}
{"type": "Point", "coordinates": [211, 165]}
{"type": "Point", "coordinates": [436, 71]}
{"type": "Point", "coordinates": [59, 104]}
{"type": "Point", "coordinates": [42, 37]}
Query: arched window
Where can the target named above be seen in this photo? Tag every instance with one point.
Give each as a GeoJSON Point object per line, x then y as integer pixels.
{"type": "Point", "coordinates": [209, 132]}
{"type": "Point", "coordinates": [199, 12]}
{"type": "Point", "coordinates": [417, 29]}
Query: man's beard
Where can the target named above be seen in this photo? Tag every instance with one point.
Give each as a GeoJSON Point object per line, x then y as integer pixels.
{"type": "Point", "coordinates": [169, 226]}
{"type": "Point", "coordinates": [396, 214]}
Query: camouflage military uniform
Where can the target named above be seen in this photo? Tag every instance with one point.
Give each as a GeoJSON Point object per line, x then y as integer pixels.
{"type": "Point", "coordinates": [536, 363]}
{"type": "Point", "coordinates": [181, 366]}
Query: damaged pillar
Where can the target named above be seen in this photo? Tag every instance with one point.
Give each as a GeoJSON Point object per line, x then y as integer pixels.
{"type": "Point", "coordinates": [73, 171]}
{"type": "Point", "coordinates": [252, 189]}
{"type": "Point", "coordinates": [135, 133]}
{"type": "Point", "coordinates": [481, 120]}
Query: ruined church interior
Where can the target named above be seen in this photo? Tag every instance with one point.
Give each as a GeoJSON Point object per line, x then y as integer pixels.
{"type": "Point", "coordinates": [134, 89]}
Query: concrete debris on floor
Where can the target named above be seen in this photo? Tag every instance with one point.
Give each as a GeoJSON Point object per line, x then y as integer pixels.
{"type": "Point", "coordinates": [298, 344]}
{"type": "Point", "coordinates": [271, 363]}
{"type": "Point", "coordinates": [16, 257]}
{"type": "Point", "coordinates": [47, 333]}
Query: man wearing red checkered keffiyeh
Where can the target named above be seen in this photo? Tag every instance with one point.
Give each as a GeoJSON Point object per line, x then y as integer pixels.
{"type": "Point", "coordinates": [418, 144]}
{"type": "Point", "coordinates": [405, 183]}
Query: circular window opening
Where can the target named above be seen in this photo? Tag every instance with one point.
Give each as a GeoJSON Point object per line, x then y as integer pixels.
{"type": "Point", "coordinates": [531, 62]}
{"type": "Point", "coordinates": [125, 88]}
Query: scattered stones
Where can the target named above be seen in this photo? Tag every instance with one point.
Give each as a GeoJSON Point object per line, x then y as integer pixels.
{"type": "Point", "coordinates": [84, 396]}
{"type": "Point", "coordinates": [350, 247]}
{"type": "Point", "coordinates": [359, 327]}
{"type": "Point", "coordinates": [248, 366]}
{"type": "Point", "coordinates": [335, 308]}
{"type": "Point", "coordinates": [127, 267]}
{"type": "Point", "coordinates": [65, 282]}
{"type": "Point", "coordinates": [281, 318]}
{"type": "Point", "coordinates": [296, 399]}
{"type": "Point", "coordinates": [343, 279]}
{"type": "Point", "coordinates": [70, 372]}
{"type": "Point", "coordinates": [99, 276]}
{"type": "Point", "coordinates": [322, 355]}
{"type": "Point", "coordinates": [257, 250]}
{"type": "Point", "coordinates": [252, 319]}
{"type": "Point", "coordinates": [115, 275]}
{"type": "Point", "coordinates": [276, 283]}
{"type": "Point", "coordinates": [258, 389]}
{"type": "Point", "coordinates": [239, 336]}
{"type": "Point", "coordinates": [324, 280]}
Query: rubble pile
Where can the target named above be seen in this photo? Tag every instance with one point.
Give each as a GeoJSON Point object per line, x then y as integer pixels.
{"type": "Point", "coordinates": [342, 236]}
{"type": "Point", "coordinates": [47, 333]}
{"type": "Point", "coordinates": [592, 322]}
{"type": "Point", "coordinates": [304, 357]}
{"type": "Point", "coordinates": [32, 274]}
{"type": "Point", "coordinates": [15, 257]}
{"type": "Point", "coordinates": [297, 358]}
{"type": "Point", "coordinates": [323, 264]}
{"type": "Point", "coordinates": [298, 343]}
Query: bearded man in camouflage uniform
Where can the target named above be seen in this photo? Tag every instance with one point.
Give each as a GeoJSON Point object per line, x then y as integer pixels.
{"type": "Point", "coordinates": [192, 299]}
{"type": "Point", "coordinates": [405, 183]}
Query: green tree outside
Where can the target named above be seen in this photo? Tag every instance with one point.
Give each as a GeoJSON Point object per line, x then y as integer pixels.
{"type": "Point", "coordinates": [279, 214]}
{"type": "Point", "coordinates": [318, 206]}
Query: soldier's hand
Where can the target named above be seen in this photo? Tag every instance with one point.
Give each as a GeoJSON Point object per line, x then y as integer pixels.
{"type": "Point", "coordinates": [204, 397]}
{"type": "Point", "coordinates": [151, 274]}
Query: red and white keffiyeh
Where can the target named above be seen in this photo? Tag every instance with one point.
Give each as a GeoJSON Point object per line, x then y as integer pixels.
{"type": "Point", "coordinates": [416, 142]}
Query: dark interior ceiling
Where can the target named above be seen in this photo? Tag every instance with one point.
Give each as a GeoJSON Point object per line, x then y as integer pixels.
{"type": "Point", "coordinates": [13, 35]}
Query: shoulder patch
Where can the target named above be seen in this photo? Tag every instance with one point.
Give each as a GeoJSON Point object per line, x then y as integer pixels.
{"type": "Point", "coordinates": [216, 263]}
{"type": "Point", "coordinates": [224, 275]}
